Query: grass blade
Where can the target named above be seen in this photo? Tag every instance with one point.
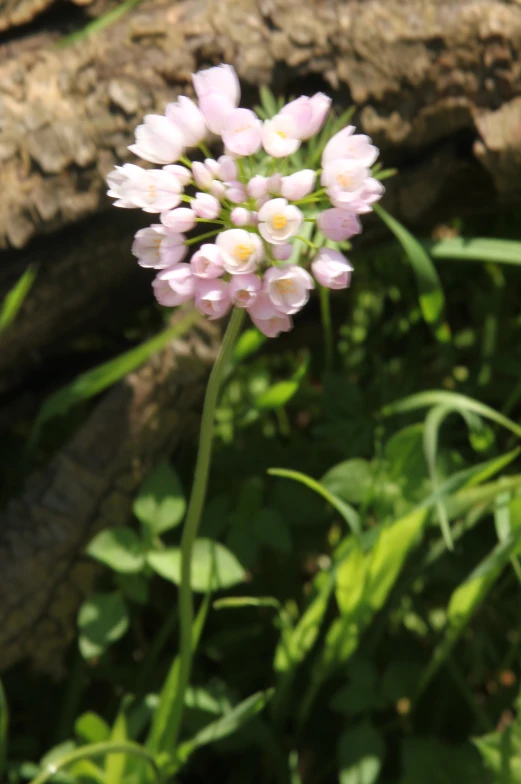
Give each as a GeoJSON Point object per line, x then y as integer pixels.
{"type": "Point", "coordinates": [94, 381]}
{"type": "Point", "coordinates": [456, 401]}
{"type": "Point", "coordinates": [477, 249]}
{"type": "Point", "coordinates": [432, 299]}
{"type": "Point", "coordinates": [14, 300]}
{"type": "Point", "coordinates": [349, 514]}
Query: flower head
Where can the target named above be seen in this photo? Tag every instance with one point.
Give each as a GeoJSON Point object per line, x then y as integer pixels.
{"type": "Point", "coordinates": [262, 221]}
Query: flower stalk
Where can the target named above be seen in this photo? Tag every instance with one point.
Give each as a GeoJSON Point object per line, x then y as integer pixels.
{"type": "Point", "coordinates": [195, 509]}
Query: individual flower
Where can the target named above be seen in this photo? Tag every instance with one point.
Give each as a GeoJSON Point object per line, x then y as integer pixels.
{"type": "Point", "coordinates": [309, 114]}
{"type": "Point", "coordinates": [338, 225]}
{"type": "Point", "coordinates": [280, 136]}
{"type": "Point", "coordinates": [212, 297]}
{"type": "Point", "coordinates": [244, 289]}
{"type": "Point", "coordinates": [347, 144]}
{"type": "Point", "coordinates": [182, 174]}
{"type": "Point", "coordinates": [207, 262]}
{"type": "Point", "coordinates": [344, 180]}
{"type": "Point", "coordinates": [174, 285]}
{"type": "Point", "coordinates": [236, 192]}
{"type": "Point", "coordinates": [120, 177]}
{"type": "Point", "coordinates": [296, 186]}
{"type": "Point", "coordinates": [282, 252]}
{"type": "Point", "coordinates": [242, 132]}
{"type": "Point", "coordinates": [227, 168]}
{"type": "Point", "coordinates": [153, 190]}
{"type": "Point", "coordinates": [270, 321]}
{"type": "Point", "coordinates": [158, 140]}
{"type": "Point", "coordinates": [218, 189]}
{"type": "Point", "coordinates": [257, 186]}
{"type": "Point", "coordinates": [206, 206]}
{"type": "Point", "coordinates": [331, 269]}
{"type": "Point", "coordinates": [288, 287]}
{"type": "Point", "coordinates": [179, 221]}
{"type": "Point", "coordinates": [155, 247]}
{"type": "Point", "coordinates": [201, 174]}
{"type": "Point", "coordinates": [189, 119]}
{"type": "Point", "coordinates": [240, 216]}
{"type": "Point", "coordinates": [278, 221]}
{"type": "Point", "coordinates": [219, 92]}
{"type": "Point", "coordinates": [221, 80]}
{"type": "Point", "coordinates": [241, 250]}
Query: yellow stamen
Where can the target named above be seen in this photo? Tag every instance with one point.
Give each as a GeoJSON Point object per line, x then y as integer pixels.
{"type": "Point", "coordinates": [279, 221]}
{"type": "Point", "coordinates": [285, 286]}
{"type": "Point", "coordinates": [345, 180]}
{"type": "Point", "coordinates": [282, 134]}
{"type": "Point", "coordinates": [243, 252]}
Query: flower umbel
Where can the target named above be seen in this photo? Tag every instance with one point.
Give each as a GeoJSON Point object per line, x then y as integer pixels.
{"type": "Point", "coordinates": [251, 206]}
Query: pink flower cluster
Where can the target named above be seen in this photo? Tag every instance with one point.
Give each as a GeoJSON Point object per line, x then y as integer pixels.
{"type": "Point", "coordinates": [250, 204]}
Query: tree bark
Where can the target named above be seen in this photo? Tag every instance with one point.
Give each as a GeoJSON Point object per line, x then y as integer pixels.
{"type": "Point", "coordinates": [88, 486]}
{"type": "Point", "coordinates": [418, 72]}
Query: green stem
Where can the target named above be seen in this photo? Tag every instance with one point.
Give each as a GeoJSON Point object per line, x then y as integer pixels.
{"type": "Point", "coordinates": [186, 161]}
{"type": "Point", "coordinates": [306, 241]}
{"type": "Point", "coordinates": [205, 150]}
{"type": "Point", "coordinates": [193, 517]}
{"type": "Point", "coordinates": [325, 310]}
{"type": "Point", "coordinates": [202, 236]}
{"type": "Point", "coordinates": [97, 750]}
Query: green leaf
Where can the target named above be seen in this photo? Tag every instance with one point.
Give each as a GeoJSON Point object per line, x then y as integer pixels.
{"type": "Point", "coordinates": [389, 555]}
{"type": "Point", "coordinates": [160, 504]}
{"type": "Point", "coordinates": [14, 300]}
{"type": "Point", "coordinates": [269, 528]}
{"type": "Point", "coordinates": [432, 299]}
{"type": "Point", "coordinates": [268, 101]}
{"type": "Point", "coordinates": [247, 344]}
{"type": "Point", "coordinates": [453, 399]}
{"type": "Point", "coordinates": [360, 753]}
{"type": "Point", "coordinates": [102, 620]}
{"type": "Point", "coordinates": [4, 729]}
{"type": "Point", "coordinates": [276, 396]}
{"type": "Point", "coordinates": [164, 727]}
{"type": "Point", "coordinates": [213, 566]}
{"type": "Point", "coordinates": [430, 761]}
{"type": "Point", "coordinates": [350, 481]}
{"type": "Point", "coordinates": [465, 600]}
{"type": "Point", "coordinates": [115, 763]}
{"type": "Point", "coordinates": [228, 724]}
{"type": "Point", "coordinates": [91, 728]}
{"type": "Point", "coordinates": [295, 643]}
{"type": "Point", "coordinates": [118, 548]}
{"type": "Point", "coordinates": [501, 753]}
{"type": "Point", "coordinates": [91, 383]}
{"type": "Point", "coordinates": [350, 579]}
{"type": "Point", "coordinates": [349, 514]}
{"type": "Point", "coordinates": [477, 249]}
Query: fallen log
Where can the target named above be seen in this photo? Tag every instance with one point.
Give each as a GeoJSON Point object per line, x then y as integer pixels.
{"type": "Point", "coordinates": [418, 73]}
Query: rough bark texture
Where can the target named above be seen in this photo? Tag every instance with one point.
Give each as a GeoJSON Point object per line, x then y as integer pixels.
{"type": "Point", "coordinates": [85, 275]}
{"type": "Point", "coordinates": [90, 485]}
{"type": "Point", "coordinates": [418, 72]}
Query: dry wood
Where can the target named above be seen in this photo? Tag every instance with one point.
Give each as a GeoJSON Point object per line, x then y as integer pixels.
{"type": "Point", "coordinates": [418, 71]}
